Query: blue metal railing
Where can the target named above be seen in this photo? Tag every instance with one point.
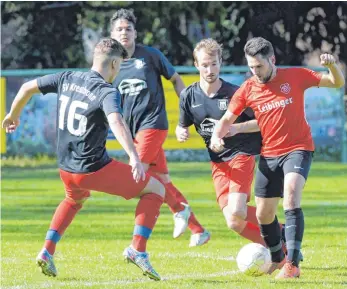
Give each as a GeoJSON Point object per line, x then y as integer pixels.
{"type": "Point", "coordinates": [179, 69]}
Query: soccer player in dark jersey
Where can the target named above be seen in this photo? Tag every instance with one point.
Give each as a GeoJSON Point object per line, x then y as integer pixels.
{"type": "Point", "coordinates": [203, 104]}
{"type": "Point", "coordinates": [88, 105]}
{"type": "Point", "coordinates": [276, 96]}
{"type": "Point", "coordinates": [143, 102]}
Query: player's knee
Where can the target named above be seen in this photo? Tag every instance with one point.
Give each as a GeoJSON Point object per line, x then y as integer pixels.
{"type": "Point", "coordinates": [77, 204]}
{"type": "Point", "coordinates": [235, 223]}
{"type": "Point", "coordinates": [291, 203]}
{"type": "Point", "coordinates": [165, 178]}
{"type": "Point", "coordinates": [156, 187]}
{"type": "Point", "coordinates": [265, 216]}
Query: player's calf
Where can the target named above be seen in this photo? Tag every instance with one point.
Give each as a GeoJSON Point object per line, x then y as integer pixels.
{"type": "Point", "coordinates": [155, 187]}
{"type": "Point", "coordinates": [236, 211]}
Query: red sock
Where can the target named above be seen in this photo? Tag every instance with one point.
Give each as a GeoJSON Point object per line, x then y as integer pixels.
{"type": "Point", "coordinates": [174, 198]}
{"type": "Point", "coordinates": [251, 215]}
{"type": "Point", "coordinates": [252, 233]}
{"type": "Point", "coordinates": [146, 214]}
{"type": "Point", "coordinates": [193, 224]}
{"type": "Point", "coordinates": [62, 218]}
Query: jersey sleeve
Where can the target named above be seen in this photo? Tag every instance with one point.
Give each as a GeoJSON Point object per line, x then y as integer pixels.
{"type": "Point", "coordinates": [307, 77]}
{"type": "Point", "coordinates": [112, 103]}
{"type": "Point", "coordinates": [49, 83]}
{"type": "Point", "coordinates": [238, 102]}
{"type": "Point", "coordinates": [163, 64]}
{"type": "Point", "coordinates": [185, 118]}
{"type": "Point", "coordinates": [249, 112]}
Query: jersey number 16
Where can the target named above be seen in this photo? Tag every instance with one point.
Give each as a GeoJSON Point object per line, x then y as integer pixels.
{"type": "Point", "coordinates": [72, 115]}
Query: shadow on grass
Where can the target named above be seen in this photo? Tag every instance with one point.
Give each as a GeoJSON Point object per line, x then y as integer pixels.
{"type": "Point", "coordinates": [302, 281]}
{"type": "Point", "coordinates": [212, 282]}
{"type": "Point", "coordinates": [70, 279]}
{"type": "Point", "coordinates": [344, 268]}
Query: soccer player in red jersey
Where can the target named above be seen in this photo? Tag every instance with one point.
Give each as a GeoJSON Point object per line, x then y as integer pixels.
{"type": "Point", "coordinates": [276, 96]}
{"type": "Point", "coordinates": [88, 105]}
{"type": "Point", "coordinates": [143, 103]}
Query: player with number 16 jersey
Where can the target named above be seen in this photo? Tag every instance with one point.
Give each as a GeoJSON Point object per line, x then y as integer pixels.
{"type": "Point", "coordinates": [88, 105]}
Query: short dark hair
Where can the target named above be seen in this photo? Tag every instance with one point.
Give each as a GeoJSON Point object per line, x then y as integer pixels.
{"type": "Point", "coordinates": [259, 45]}
{"type": "Point", "coordinates": [110, 47]}
{"type": "Point", "coordinates": [127, 14]}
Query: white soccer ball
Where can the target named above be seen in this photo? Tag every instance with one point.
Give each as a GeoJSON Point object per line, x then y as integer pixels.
{"type": "Point", "coordinates": [253, 259]}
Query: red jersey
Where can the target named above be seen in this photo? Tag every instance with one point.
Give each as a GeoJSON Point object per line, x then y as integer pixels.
{"type": "Point", "coordinates": [280, 109]}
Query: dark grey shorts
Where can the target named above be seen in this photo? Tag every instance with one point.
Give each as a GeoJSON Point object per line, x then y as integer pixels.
{"type": "Point", "coordinates": [270, 174]}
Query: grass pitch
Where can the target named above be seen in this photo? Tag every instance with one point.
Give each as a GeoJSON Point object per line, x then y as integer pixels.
{"type": "Point", "coordinates": [90, 253]}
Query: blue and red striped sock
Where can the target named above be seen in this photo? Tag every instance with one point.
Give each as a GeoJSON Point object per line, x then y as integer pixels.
{"type": "Point", "coordinates": [62, 218]}
{"type": "Point", "coordinates": [146, 215]}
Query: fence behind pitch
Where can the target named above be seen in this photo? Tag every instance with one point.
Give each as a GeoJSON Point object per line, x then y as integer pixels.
{"type": "Point", "coordinates": [36, 135]}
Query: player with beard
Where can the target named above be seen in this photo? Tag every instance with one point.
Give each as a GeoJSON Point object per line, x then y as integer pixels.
{"type": "Point", "coordinates": [143, 102]}
{"type": "Point", "coordinates": [276, 96]}
{"type": "Point", "coordinates": [202, 104]}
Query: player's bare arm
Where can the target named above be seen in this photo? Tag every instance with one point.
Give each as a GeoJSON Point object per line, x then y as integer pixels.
{"type": "Point", "coordinates": [11, 120]}
{"type": "Point", "coordinates": [177, 83]}
{"type": "Point", "coordinates": [244, 127]}
{"type": "Point", "coordinates": [182, 133]}
{"type": "Point", "coordinates": [335, 77]}
{"type": "Point", "coordinates": [122, 134]}
{"type": "Point", "coordinates": [220, 131]}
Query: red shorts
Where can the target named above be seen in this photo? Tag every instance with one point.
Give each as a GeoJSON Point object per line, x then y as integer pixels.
{"type": "Point", "coordinates": [115, 178]}
{"type": "Point", "coordinates": [149, 146]}
{"type": "Point", "coordinates": [234, 176]}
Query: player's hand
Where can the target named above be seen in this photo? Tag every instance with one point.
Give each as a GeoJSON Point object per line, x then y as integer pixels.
{"type": "Point", "coordinates": [10, 123]}
{"type": "Point", "coordinates": [217, 144]}
{"type": "Point", "coordinates": [327, 60]}
{"type": "Point", "coordinates": [232, 131]}
{"type": "Point", "coordinates": [137, 170]}
{"type": "Point", "coordinates": [182, 133]}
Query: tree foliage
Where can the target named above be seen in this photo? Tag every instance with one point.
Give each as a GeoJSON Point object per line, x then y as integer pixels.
{"type": "Point", "coordinates": [49, 34]}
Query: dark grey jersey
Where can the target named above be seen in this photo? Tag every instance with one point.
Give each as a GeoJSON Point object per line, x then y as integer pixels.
{"type": "Point", "coordinates": [204, 112]}
{"type": "Point", "coordinates": [139, 83]}
{"type": "Point", "coordinates": [84, 101]}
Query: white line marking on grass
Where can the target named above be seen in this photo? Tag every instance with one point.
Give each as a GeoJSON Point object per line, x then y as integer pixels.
{"type": "Point", "coordinates": [83, 284]}
{"type": "Point", "coordinates": [194, 255]}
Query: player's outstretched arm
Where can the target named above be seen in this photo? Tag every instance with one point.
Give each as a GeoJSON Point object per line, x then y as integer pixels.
{"type": "Point", "coordinates": [334, 78]}
{"type": "Point", "coordinates": [220, 131]}
{"type": "Point", "coordinates": [11, 120]}
{"type": "Point", "coordinates": [177, 83]}
{"type": "Point", "coordinates": [123, 136]}
{"type": "Point", "coordinates": [244, 127]}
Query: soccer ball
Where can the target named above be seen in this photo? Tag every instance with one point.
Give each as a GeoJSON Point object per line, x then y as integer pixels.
{"type": "Point", "coordinates": [253, 259]}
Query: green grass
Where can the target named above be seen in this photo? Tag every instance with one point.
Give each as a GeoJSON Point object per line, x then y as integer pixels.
{"type": "Point", "coordinates": [90, 253]}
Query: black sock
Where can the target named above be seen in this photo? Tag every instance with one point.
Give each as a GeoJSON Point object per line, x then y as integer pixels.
{"type": "Point", "coordinates": [294, 234]}
{"type": "Point", "coordinates": [271, 234]}
{"type": "Point", "coordinates": [283, 233]}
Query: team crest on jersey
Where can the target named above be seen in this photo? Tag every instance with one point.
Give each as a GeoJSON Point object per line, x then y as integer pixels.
{"type": "Point", "coordinates": [139, 63]}
{"type": "Point", "coordinates": [285, 88]}
{"type": "Point", "coordinates": [223, 104]}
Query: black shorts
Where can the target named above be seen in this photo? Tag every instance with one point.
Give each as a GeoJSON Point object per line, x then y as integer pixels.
{"type": "Point", "coordinates": [269, 180]}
